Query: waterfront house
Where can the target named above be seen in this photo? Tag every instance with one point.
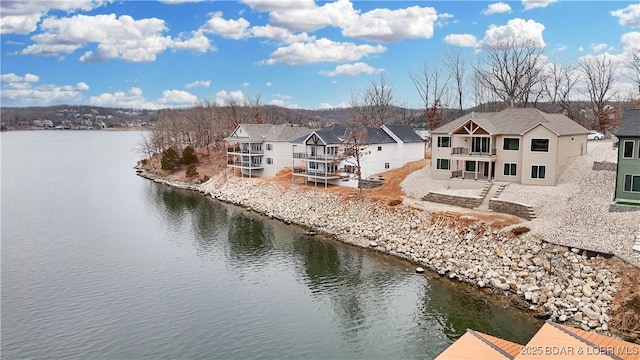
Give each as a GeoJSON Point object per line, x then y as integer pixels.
{"type": "Point", "coordinates": [628, 170]}
{"type": "Point", "coordinates": [262, 149]}
{"type": "Point", "coordinates": [523, 145]}
{"type": "Point", "coordinates": [322, 158]}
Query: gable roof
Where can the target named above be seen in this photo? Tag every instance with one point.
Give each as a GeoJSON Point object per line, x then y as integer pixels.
{"type": "Point", "coordinates": [268, 132]}
{"type": "Point", "coordinates": [515, 121]}
{"type": "Point", "coordinates": [404, 133]}
{"type": "Point", "coordinates": [335, 135]}
{"type": "Point", "coordinates": [629, 124]}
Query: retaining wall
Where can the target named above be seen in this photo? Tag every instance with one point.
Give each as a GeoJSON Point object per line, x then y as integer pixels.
{"type": "Point", "coordinates": [512, 208]}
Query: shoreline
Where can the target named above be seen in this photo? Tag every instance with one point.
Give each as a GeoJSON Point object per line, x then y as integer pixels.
{"type": "Point", "coordinates": [546, 280]}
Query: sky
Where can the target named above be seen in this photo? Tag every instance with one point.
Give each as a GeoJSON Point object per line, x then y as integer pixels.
{"type": "Point", "coordinates": [293, 53]}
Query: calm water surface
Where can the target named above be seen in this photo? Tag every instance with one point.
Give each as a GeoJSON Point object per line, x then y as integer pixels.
{"type": "Point", "coordinates": [98, 263]}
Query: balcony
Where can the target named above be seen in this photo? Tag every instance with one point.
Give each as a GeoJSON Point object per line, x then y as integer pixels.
{"type": "Point", "coordinates": [468, 175]}
{"type": "Point", "coordinates": [467, 152]}
{"type": "Point", "coordinates": [316, 157]}
{"type": "Point", "coordinates": [244, 151]}
{"type": "Point", "coordinates": [312, 173]}
{"type": "Point", "coordinates": [244, 164]}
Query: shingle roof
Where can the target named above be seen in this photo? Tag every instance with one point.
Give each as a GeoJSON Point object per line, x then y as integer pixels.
{"type": "Point", "coordinates": [629, 124]}
{"type": "Point", "coordinates": [404, 133]}
{"type": "Point", "coordinates": [270, 132]}
{"type": "Point", "coordinates": [515, 121]}
{"type": "Point", "coordinates": [336, 134]}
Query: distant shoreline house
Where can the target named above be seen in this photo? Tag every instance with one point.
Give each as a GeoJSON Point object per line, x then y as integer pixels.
{"type": "Point", "coordinates": [520, 145]}
{"type": "Point", "coordinates": [321, 157]}
{"type": "Point", "coordinates": [628, 169]}
{"type": "Point", "coordinates": [262, 149]}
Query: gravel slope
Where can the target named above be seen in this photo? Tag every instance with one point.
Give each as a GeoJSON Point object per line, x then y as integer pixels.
{"type": "Point", "coordinates": [574, 213]}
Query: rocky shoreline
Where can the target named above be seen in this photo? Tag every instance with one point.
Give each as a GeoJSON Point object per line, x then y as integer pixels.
{"type": "Point", "coordinates": [552, 281]}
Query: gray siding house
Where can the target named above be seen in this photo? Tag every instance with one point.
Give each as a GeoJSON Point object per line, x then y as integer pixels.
{"type": "Point", "coordinates": [628, 171]}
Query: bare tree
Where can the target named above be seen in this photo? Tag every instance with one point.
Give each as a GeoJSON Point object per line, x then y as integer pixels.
{"type": "Point", "coordinates": [431, 84]}
{"type": "Point", "coordinates": [633, 64]}
{"type": "Point", "coordinates": [598, 73]}
{"type": "Point", "coordinates": [377, 102]}
{"type": "Point", "coordinates": [559, 85]}
{"type": "Point", "coordinates": [457, 69]}
{"type": "Point", "coordinates": [513, 71]}
{"type": "Point", "coordinates": [256, 109]}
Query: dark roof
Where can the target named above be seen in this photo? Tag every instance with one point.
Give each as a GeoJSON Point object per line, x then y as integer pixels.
{"type": "Point", "coordinates": [336, 134]}
{"type": "Point", "coordinates": [515, 121]}
{"type": "Point", "coordinates": [629, 124]}
{"type": "Point", "coordinates": [404, 133]}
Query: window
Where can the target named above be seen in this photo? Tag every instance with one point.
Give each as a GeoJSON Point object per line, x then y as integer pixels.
{"type": "Point", "coordinates": [632, 183]}
{"type": "Point", "coordinates": [538, 171]}
{"type": "Point", "coordinates": [510, 169]}
{"type": "Point", "coordinates": [442, 164]}
{"type": "Point", "coordinates": [470, 166]}
{"type": "Point", "coordinates": [541, 145]}
{"type": "Point", "coordinates": [269, 146]}
{"type": "Point", "coordinates": [444, 141]}
{"type": "Point", "coordinates": [511, 144]}
{"type": "Point", "coordinates": [379, 148]}
{"type": "Point", "coordinates": [313, 165]}
{"type": "Point", "coordinates": [269, 160]}
{"type": "Point", "coordinates": [627, 150]}
{"type": "Point", "coordinates": [480, 144]}
{"type": "Point", "coordinates": [386, 165]}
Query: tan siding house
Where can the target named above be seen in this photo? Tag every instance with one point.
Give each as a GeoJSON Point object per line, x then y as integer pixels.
{"type": "Point", "coordinates": [524, 146]}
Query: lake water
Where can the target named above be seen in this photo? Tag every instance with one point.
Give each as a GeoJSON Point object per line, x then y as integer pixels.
{"type": "Point", "coordinates": [98, 263]}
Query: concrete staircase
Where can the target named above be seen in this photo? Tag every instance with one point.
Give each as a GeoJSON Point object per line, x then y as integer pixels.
{"type": "Point", "coordinates": [492, 192]}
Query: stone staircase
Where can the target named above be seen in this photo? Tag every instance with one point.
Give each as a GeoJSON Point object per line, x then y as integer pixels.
{"type": "Point", "coordinates": [492, 191]}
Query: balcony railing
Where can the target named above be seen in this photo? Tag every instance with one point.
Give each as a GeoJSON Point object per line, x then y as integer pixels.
{"type": "Point", "coordinates": [316, 173]}
{"type": "Point", "coordinates": [316, 157]}
{"type": "Point", "coordinates": [245, 164]}
{"type": "Point", "coordinates": [467, 152]}
{"type": "Point", "coordinates": [468, 175]}
{"type": "Point", "coordinates": [238, 150]}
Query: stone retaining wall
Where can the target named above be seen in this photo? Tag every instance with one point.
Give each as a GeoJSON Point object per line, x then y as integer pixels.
{"type": "Point", "coordinates": [578, 290]}
{"type": "Point", "coordinates": [623, 208]}
{"type": "Point", "coordinates": [512, 208]}
{"type": "Point", "coordinates": [370, 184]}
{"type": "Point", "coordinates": [462, 201]}
{"type": "Point", "coordinates": [604, 165]}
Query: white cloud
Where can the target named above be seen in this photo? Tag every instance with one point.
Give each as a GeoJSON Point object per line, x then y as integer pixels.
{"type": "Point", "coordinates": [462, 40]}
{"type": "Point", "coordinates": [497, 8]}
{"type": "Point", "coordinates": [516, 29]}
{"type": "Point", "coordinates": [13, 78]}
{"type": "Point", "coordinates": [629, 16]}
{"type": "Point", "coordinates": [278, 33]}
{"type": "Point", "coordinates": [580, 48]}
{"type": "Point", "coordinates": [329, 106]}
{"type": "Point", "coordinates": [270, 5]}
{"type": "Point", "coordinates": [24, 91]}
{"type": "Point", "coordinates": [561, 47]}
{"type": "Point", "coordinates": [350, 70]}
{"type": "Point", "coordinates": [232, 29]}
{"type": "Point", "coordinates": [598, 48]}
{"type": "Point", "coordinates": [307, 18]}
{"type": "Point", "coordinates": [177, 98]}
{"type": "Point", "coordinates": [321, 50]}
{"type": "Point", "coordinates": [22, 17]}
{"type": "Point", "coordinates": [532, 4]}
{"type": "Point", "coordinates": [246, 84]}
{"type": "Point", "coordinates": [204, 83]}
{"type": "Point", "coordinates": [222, 96]}
{"type": "Point", "coordinates": [134, 98]}
{"type": "Point", "coordinates": [123, 37]}
{"type": "Point", "coordinates": [197, 42]}
{"type": "Point", "coordinates": [630, 40]}
{"type": "Point", "coordinates": [386, 25]}
{"type": "Point", "coordinates": [268, 84]}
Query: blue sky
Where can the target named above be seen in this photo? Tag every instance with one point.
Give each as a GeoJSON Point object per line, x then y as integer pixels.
{"type": "Point", "coordinates": [292, 53]}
